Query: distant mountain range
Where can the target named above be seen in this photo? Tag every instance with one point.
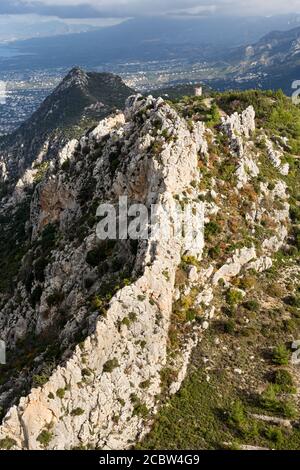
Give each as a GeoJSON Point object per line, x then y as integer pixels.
{"type": "Point", "coordinates": [12, 30]}
{"type": "Point", "coordinates": [272, 62]}
{"type": "Point", "coordinates": [200, 38]}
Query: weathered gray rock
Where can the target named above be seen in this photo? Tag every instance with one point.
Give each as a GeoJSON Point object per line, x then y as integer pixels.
{"type": "Point", "coordinates": [234, 265]}
{"type": "Point", "coordinates": [275, 157]}
{"type": "Point", "coordinates": [101, 390]}
{"type": "Point", "coordinates": [102, 377]}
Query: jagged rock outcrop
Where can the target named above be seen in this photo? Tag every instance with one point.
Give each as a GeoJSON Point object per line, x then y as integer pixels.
{"type": "Point", "coordinates": [275, 157]}
{"type": "Point", "coordinates": [96, 397]}
{"type": "Point", "coordinates": [239, 128]}
{"type": "Point", "coordinates": [95, 318]}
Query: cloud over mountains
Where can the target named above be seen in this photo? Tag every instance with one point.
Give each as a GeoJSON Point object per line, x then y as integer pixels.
{"type": "Point", "coordinates": [126, 8]}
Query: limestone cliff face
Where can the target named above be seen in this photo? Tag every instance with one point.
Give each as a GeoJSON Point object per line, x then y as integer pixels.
{"type": "Point", "coordinates": [97, 397]}
{"type": "Point", "coordinates": [94, 319]}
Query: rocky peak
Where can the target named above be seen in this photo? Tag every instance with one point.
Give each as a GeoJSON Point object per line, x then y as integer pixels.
{"type": "Point", "coordinates": [114, 323]}
{"type": "Point", "coordinates": [76, 77]}
{"type": "Point", "coordinates": [79, 102]}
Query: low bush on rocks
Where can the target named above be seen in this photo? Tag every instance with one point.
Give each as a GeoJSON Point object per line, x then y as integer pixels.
{"type": "Point", "coordinates": [284, 380]}
{"type": "Point", "coordinates": [281, 355]}
{"type": "Point", "coordinates": [234, 297]}
{"type": "Point", "coordinates": [110, 365]}
{"type": "Point", "coordinates": [7, 443]}
{"type": "Point", "coordinates": [77, 412]}
{"type": "Point", "coordinates": [45, 438]}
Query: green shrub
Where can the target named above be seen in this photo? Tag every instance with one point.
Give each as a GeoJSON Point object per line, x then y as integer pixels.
{"type": "Point", "coordinates": [39, 268]}
{"type": "Point", "coordinates": [66, 165]}
{"type": "Point", "coordinates": [295, 214]}
{"type": "Point", "coordinates": [110, 365]}
{"type": "Point", "coordinates": [187, 261]}
{"type": "Point", "coordinates": [229, 311]}
{"type": "Point", "coordinates": [60, 393]}
{"type": "Point", "coordinates": [94, 257]}
{"type": "Point", "coordinates": [97, 303]}
{"type": "Point", "coordinates": [39, 380]}
{"type": "Point", "coordinates": [289, 409]}
{"type": "Point", "coordinates": [270, 402]}
{"type": "Point", "coordinates": [139, 408]}
{"type": "Point", "coordinates": [274, 435]}
{"type": "Point", "coordinates": [251, 305]}
{"type": "Point", "coordinates": [42, 169]}
{"type": "Point", "coordinates": [214, 118]}
{"type": "Point", "coordinates": [296, 237]}
{"type": "Point", "coordinates": [126, 322]}
{"type": "Point", "coordinates": [284, 380]}
{"type": "Point", "coordinates": [132, 317]}
{"type": "Point", "coordinates": [190, 315]}
{"type": "Point", "coordinates": [86, 193]}
{"type": "Point", "coordinates": [268, 399]}
{"type": "Point", "coordinates": [36, 295]}
{"type": "Point", "coordinates": [234, 297]}
{"type": "Point", "coordinates": [229, 327]}
{"type": "Point", "coordinates": [77, 412]}
{"type": "Point", "coordinates": [48, 237]}
{"type": "Point", "coordinates": [45, 438]}
{"type": "Point", "coordinates": [214, 252]}
{"type": "Point", "coordinates": [7, 443]}
{"type": "Point", "coordinates": [236, 415]}
{"type": "Point", "coordinates": [144, 385]}
{"type": "Point", "coordinates": [281, 356]}
{"type": "Point", "coordinates": [293, 301]}
{"type": "Point", "coordinates": [212, 228]}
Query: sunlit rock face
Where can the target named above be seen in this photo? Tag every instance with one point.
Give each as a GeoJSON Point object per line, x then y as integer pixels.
{"type": "Point", "coordinates": [94, 318]}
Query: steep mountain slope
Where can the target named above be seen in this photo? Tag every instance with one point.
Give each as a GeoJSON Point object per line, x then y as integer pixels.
{"type": "Point", "coordinates": [76, 104]}
{"type": "Point", "coordinates": [274, 48]}
{"type": "Point", "coordinates": [100, 333]}
{"type": "Point", "coordinates": [242, 388]}
{"type": "Point", "coordinates": [271, 63]}
{"type": "Point", "coordinates": [101, 310]}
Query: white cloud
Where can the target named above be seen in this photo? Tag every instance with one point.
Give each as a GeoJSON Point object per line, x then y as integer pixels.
{"type": "Point", "coordinates": [119, 8]}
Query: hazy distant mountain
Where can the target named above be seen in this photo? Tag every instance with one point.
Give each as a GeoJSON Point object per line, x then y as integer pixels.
{"type": "Point", "coordinates": [15, 30]}
{"type": "Point", "coordinates": [273, 49]}
{"type": "Point", "coordinates": [272, 62]}
{"type": "Point", "coordinates": [149, 39]}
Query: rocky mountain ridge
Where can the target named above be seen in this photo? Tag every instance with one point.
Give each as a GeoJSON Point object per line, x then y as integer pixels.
{"type": "Point", "coordinates": [99, 334]}
{"type": "Point", "coordinates": [78, 103]}
{"type": "Point", "coordinates": [148, 300]}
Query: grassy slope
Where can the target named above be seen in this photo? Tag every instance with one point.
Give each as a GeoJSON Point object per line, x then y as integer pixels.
{"type": "Point", "coordinates": [233, 371]}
